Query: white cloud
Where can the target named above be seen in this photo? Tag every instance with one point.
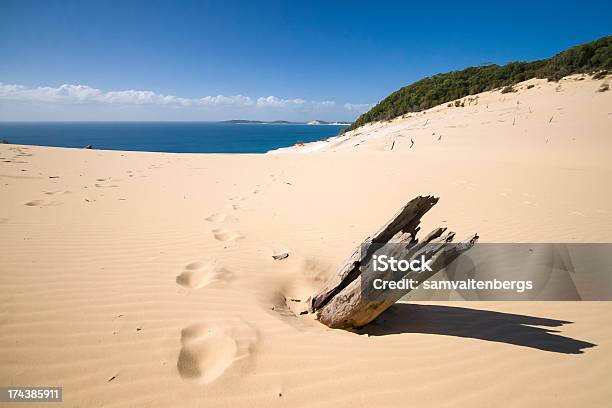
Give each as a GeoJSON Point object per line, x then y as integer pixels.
{"type": "Point", "coordinates": [74, 93]}
{"type": "Point", "coordinates": [357, 107]}
{"type": "Point", "coordinates": [239, 100]}
{"type": "Point", "coordinates": [275, 102]}
{"type": "Point", "coordinates": [327, 103]}
{"type": "Point", "coordinates": [72, 100]}
{"type": "Point", "coordinates": [83, 93]}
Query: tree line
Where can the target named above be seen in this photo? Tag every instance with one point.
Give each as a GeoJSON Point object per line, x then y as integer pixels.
{"type": "Point", "coordinates": [592, 57]}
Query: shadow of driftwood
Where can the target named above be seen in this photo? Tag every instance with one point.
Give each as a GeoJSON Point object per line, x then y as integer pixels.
{"type": "Point", "coordinates": [475, 324]}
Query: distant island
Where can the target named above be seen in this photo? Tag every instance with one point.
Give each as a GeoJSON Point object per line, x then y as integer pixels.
{"type": "Point", "coordinates": [243, 121]}
{"type": "Point", "coordinates": [284, 122]}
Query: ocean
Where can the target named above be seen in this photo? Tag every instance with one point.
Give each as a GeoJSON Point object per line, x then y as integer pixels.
{"type": "Point", "coordinates": [176, 137]}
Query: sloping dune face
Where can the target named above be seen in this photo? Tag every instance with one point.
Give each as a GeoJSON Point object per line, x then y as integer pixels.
{"type": "Point", "coordinates": [571, 114]}
{"type": "Point", "coordinates": [147, 279]}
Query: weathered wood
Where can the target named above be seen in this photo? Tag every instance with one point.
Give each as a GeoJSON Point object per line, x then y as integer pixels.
{"type": "Point", "coordinates": [342, 303]}
{"type": "Point", "coordinates": [406, 221]}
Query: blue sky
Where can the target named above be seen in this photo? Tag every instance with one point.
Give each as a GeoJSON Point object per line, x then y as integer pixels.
{"type": "Point", "coordinates": [214, 60]}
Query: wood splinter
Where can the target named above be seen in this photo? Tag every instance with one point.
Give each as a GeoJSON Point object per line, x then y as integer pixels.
{"type": "Point", "coordinates": [342, 303]}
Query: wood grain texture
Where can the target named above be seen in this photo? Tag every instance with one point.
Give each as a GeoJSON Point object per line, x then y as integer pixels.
{"type": "Point", "coordinates": [348, 300]}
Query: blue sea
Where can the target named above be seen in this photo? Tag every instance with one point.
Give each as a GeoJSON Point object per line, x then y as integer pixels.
{"type": "Point", "coordinates": [177, 137]}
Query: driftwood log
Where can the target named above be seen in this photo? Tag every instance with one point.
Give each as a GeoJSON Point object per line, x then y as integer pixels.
{"type": "Point", "coordinates": [342, 303]}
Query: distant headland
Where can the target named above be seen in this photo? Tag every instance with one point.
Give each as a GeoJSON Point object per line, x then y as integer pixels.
{"type": "Point", "coordinates": [285, 122]}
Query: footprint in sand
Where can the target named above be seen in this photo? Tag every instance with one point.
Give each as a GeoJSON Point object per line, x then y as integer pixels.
{"type": "Point", "coordinates": [41, 203]}
{"type": "Point", "coordinates": [225, 235]}
{"type": "Point", "coordinates": [208, 350]}
{"type": "Point", "coordinates": [34, 203]}
{"type": "Point", "coordinates": [217, 217]}
{"type": "Point", "coordinates": [197, 275]}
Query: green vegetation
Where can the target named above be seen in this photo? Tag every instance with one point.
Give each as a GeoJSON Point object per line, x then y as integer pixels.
{"type": "Point", "coordinates": [592, 57]}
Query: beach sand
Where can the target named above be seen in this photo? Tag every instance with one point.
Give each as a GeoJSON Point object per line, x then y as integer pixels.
{"type": "Point", "coordinates": [147, 279]}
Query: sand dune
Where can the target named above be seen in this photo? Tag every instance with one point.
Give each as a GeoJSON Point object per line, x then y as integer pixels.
{"type": "Point", "coordinates": [147, 279]}
{"type": "Point", "coordinates": [538, 113]}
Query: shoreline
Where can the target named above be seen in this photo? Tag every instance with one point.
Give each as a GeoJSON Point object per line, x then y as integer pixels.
{"type": "Point", "coordinates": [191, 137]}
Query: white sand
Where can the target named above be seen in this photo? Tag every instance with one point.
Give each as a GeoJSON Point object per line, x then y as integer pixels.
{"type": "Point", "coordinates": [156, 270]}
